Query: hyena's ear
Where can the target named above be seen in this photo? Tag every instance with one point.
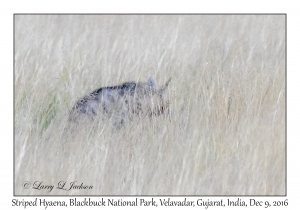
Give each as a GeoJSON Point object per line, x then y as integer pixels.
{"type": "Point", "coordinates": [151, 82]}
{"type": "Point", "coordinates": [167, 83]}
{"type": "Point", "coordinates": [163, 88]}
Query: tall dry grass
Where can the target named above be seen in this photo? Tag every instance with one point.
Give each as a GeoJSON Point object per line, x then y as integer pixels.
{"type": "Point", "coordinates": [225, 134]}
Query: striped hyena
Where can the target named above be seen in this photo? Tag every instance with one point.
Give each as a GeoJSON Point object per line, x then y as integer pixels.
{"type": "Point", "coordinates": [123, 102]}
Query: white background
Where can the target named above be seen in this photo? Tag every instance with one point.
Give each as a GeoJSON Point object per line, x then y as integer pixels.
{"type": "Point", "coordinates": [54, 6]}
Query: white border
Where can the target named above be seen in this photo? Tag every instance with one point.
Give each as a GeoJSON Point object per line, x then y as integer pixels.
{"type": "Point", "coordinates": [135, 6]}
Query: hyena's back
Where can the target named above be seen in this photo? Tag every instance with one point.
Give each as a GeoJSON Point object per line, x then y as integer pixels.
{"type": "Point", "coordinates": [122, 100]}
{"type": "Point", "coordinates": [104, 96]}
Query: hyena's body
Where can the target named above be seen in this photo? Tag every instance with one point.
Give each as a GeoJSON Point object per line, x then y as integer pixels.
{"type": "Point", "coordinates": [123, 102]}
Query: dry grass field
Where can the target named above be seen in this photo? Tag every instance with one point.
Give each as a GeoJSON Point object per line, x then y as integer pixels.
{"type": "Point", "coordinates": [225, 130]}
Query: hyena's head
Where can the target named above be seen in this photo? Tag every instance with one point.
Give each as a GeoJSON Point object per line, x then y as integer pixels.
{"type": "Point", "coordinates": [152, 99]}
{"type": "Point", "coordinates": [163, 98]}
{"type": "Point", "coordinates": [147, 89]}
